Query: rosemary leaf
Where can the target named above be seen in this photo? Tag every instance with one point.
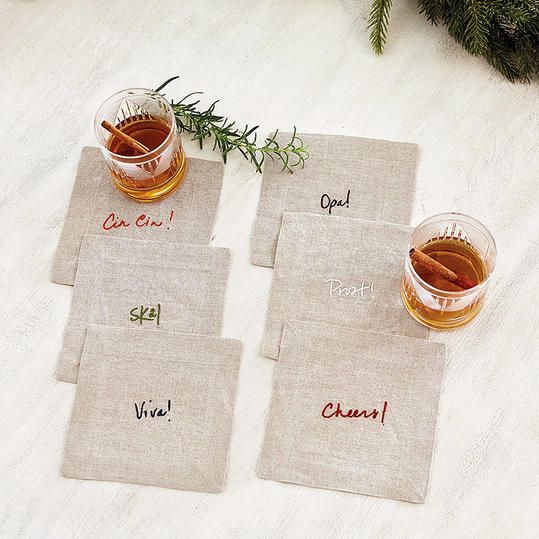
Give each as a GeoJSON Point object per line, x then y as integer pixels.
{"type": "Point", "coordinates": [202, 124]}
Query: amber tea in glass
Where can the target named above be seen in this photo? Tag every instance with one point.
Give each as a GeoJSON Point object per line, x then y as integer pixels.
{"type": "Point", "coordinates": [144, 117]}
{"type": "Point", "coordinates": [447, 271]}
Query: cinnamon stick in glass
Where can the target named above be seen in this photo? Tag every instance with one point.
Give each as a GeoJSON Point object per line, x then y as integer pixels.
{"type": "Point", "coordinates": [433, 265]}
{"type": "Point", "coordinates": [130, 141]}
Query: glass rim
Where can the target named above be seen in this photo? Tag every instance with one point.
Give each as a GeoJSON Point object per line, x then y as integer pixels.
{"type": "Point", "coordinates": [474, 223]}
{"type": "Point", "coordinates": [117, 96]}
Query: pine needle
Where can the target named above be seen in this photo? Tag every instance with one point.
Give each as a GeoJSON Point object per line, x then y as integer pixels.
{"type": "Point", "coordinates": [378, 24]}
{"type": "Point", "coordinates": [504, 32]}
{"type": "Point", "coordinates": [477, 26]}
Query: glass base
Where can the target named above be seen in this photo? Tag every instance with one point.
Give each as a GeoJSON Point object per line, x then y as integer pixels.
{"type": "Point", "coordinates": [156, 193]}
{"type": "Point", "coordinates": [448, 322]}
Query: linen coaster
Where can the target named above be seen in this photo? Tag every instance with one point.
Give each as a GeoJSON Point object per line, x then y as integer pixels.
{"type": "Point", "coordinates": [146, 285]}
{"type": "Point", "coordinates": [353, 410]}
{"type": "Point", "coordinates": [97, 207]}
{"type": "Point", "coordinates": [153, 408]}
{"type": "Point", "coordinates": [338, 271]}
{"type": "Point", "coordinates": [346, 176]}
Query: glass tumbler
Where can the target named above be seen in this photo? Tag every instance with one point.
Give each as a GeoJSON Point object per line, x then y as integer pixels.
{"type": "Point", "coordinates": [147, 117]}
{"type": "Point", "coordinates": [442, 309]}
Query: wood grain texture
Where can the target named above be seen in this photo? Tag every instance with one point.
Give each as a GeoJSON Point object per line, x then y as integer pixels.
{"type": "Point", "coordinates": [276, 63]}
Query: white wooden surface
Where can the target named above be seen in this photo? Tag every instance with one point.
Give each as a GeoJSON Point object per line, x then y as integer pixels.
{"type": "Point", "coordinates": [277, 63]}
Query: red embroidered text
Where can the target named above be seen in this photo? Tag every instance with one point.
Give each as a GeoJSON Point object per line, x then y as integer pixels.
{"type": "Point", "coordinates": [335, 410]}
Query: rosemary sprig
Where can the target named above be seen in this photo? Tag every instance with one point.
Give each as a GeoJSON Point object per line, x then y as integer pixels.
{"type": "Point", "coordinates": [203, 124]}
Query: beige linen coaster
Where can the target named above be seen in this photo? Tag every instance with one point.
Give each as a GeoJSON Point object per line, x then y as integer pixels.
{"type": "Point", "coordinates": [353, 410]}
{"type": "Point", "coordinates": [153, 408]}
{"type": "Point", "coordinates": [338, 271]}
{"type": "Point", "coordinates": [97, 207]}
{"type": "Point", "coordinates": [143, 284]}
{"type": "Point", "coordinates": [346, 176]}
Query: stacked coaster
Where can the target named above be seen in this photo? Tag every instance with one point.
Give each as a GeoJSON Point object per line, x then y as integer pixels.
{"type": "Point", "coordinates": [143, 335]}
{"type": "Point", "coordinates": [186, 216]}
{"type": "Point", "coordinates": [344, 176]}
{"type": "Point", "coordinates": [353, 410]}
{"type": "Point", "coordinates": [153, 408]}
{"type": "Point", "coordinates": [357, 384]}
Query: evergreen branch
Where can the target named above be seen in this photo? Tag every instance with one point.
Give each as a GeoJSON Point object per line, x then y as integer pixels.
{"type": "Point", "coordinates": [378, 23]}
{"type": "Point", "coordinates": [432, 9]}
{"type": "Point", "coordinates": [205, 123]}
{"type": "Point", "coordinates": [499, 56]}
{"type": "Point", "coordinates": [477, 22]}
{"type": "Point", "coordinates": [456, 23]}
{"type": "Point", "coordinates": [528, 62]}
{"type": "Point", "coordinates": [504, 32]}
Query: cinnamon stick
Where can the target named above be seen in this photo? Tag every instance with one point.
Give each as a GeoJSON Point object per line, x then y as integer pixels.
{"type": "Point", "coordinates": [135, 144]}
{"type": "Point", "coordinates": [433, 265]}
